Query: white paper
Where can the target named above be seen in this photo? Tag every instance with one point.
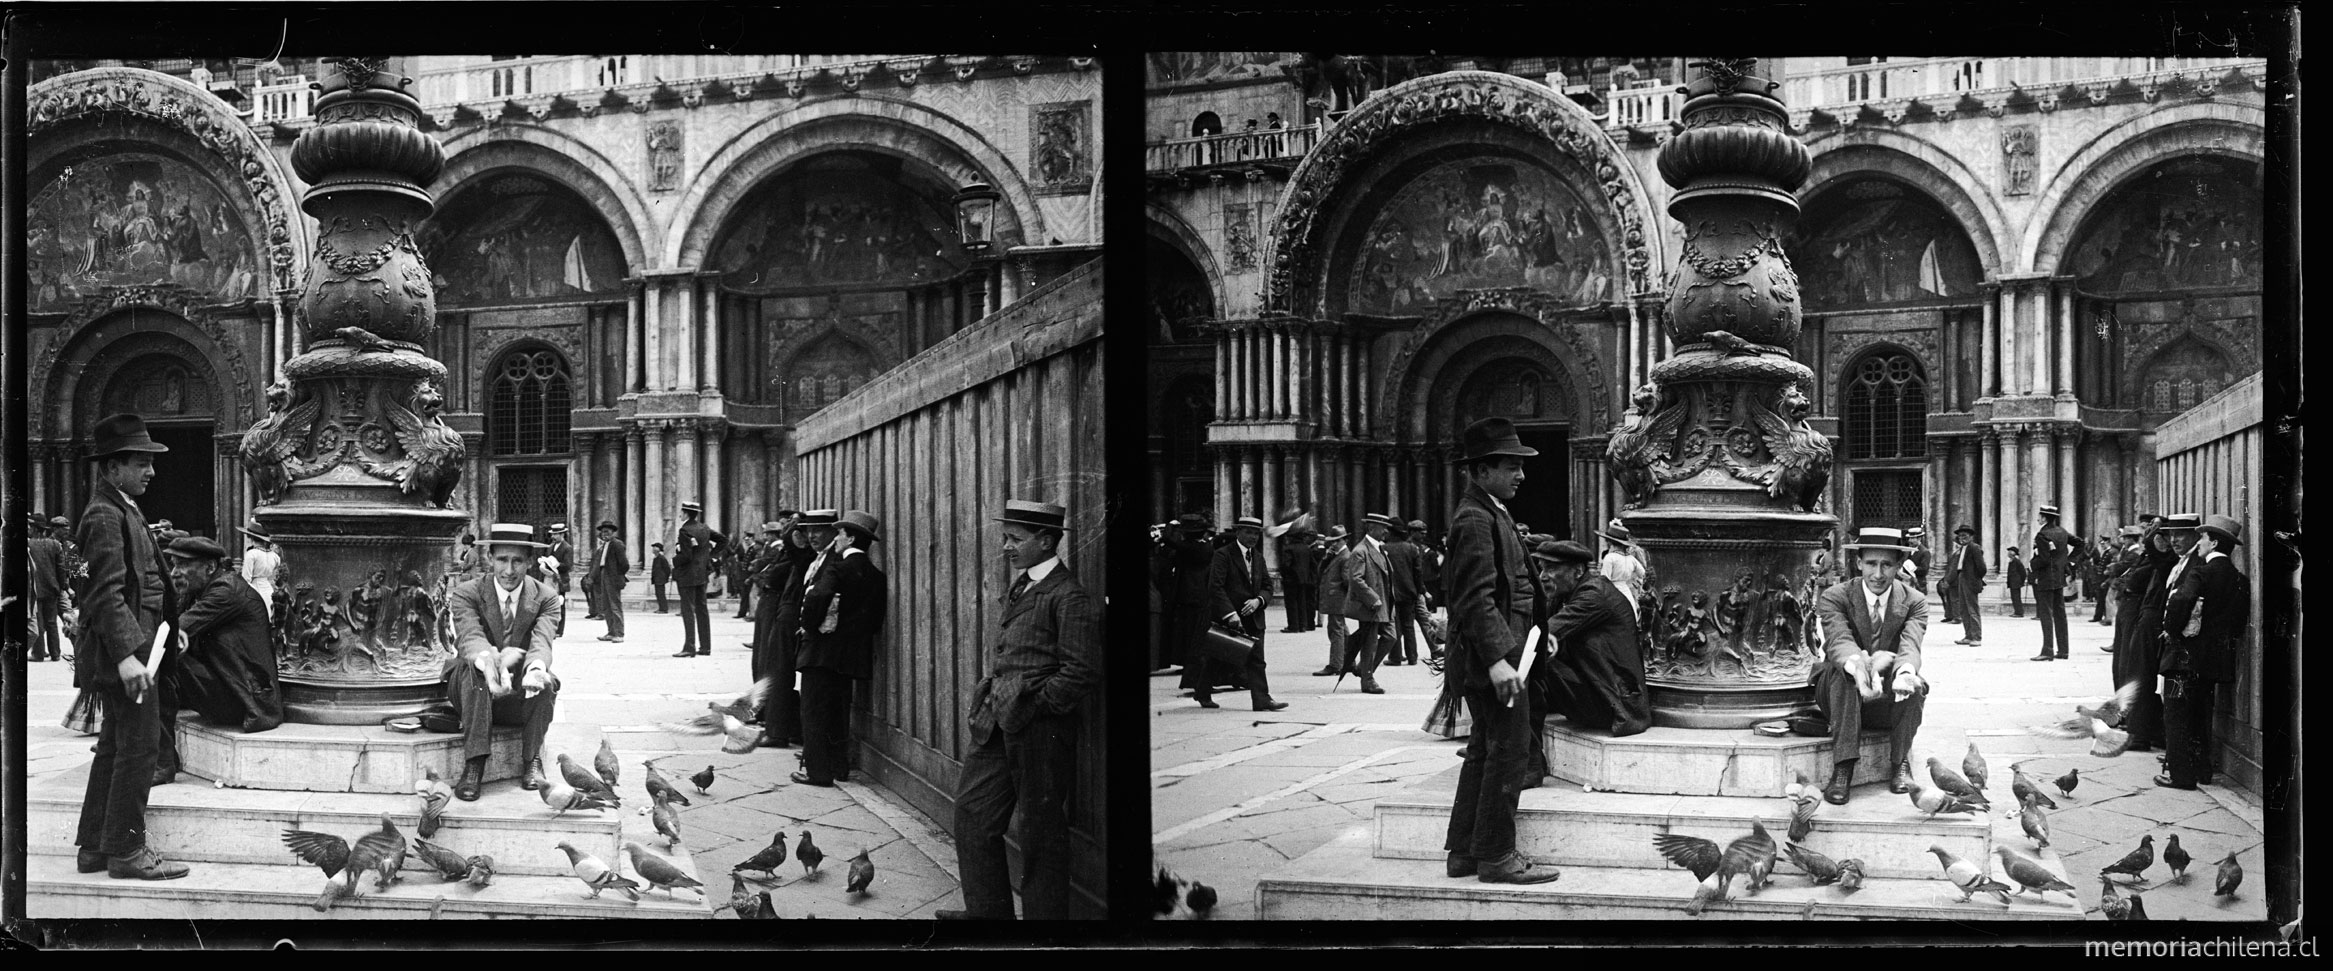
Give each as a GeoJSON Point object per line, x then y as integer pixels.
{"type": "Point", "coordinates": [1523, 670]}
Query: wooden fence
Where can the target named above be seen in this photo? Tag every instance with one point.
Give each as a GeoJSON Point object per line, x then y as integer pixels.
{"type": "Point", "coordinates": [1011, 407]}
{"type": "Point", "coordinates": [2208, 460]}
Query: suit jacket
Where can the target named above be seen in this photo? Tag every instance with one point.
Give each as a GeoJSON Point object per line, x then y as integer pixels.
{"type": "Point", "coordinates": [612, 565]}
{"type": "Point", "coordinates": [2053, 553]}
{"type": "Point", "coordinates": [1493, 594]}
{"type": "Point", "coordinates": [693, 553]}
{"type": "Point", "coordinates": [2226, 605]}
{"type": "Point", "coordinates": [1408, 563]}
{"type": "Point", "coordinates": [481, 628]}
{"type": "Point", "coordinates": [1924, 559]}
{"type": "Point", "coordinates": [1300, 565]}
{"type": "Point", "coordinates": [1046, 659]}
{"type": "Point", "coordinates": [48, 569]}
{"type": "Point", "coordinates": [1192, 561]}
{"type": "Point", "coordinates": [1849, 628]}
{"type": "Point", "coordinates": [1332, 584]}
{"type": "Point", "coordinates": [564, 552]}
{"type": "Point", "coordinates": [1597, 618]}
{"type": "Point", "coordinates": [1369, 589]}
{"type": "Point", "coordinates": [1967, 569]}
{"type": "Point", "coordinates": [2016, 573]}
{"type": "Point", "coordinates": [851, 589]}
{"type": "Point", "coordinates": [1232, 582]}
{"type": "Point", "coordinates": [128, 595]}
{"type": "Point", "coordinates": [660, 570]}
{"type": "Point", "coordinates": [228, 617]}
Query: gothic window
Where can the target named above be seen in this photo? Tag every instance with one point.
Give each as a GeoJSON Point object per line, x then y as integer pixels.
{"type": "Point", "coordinates": [529, 404]}
{"type": "Point", "coordinates": [1886, 413]}
{"type": "Point", "coordinates": [534, 494]}
{"type": "Point", "coordinates": [1887, 497]}
{"type": "Point", "coordinates": [2182, 375]}
{"type": "Point", "coordinates": [1179, 293]}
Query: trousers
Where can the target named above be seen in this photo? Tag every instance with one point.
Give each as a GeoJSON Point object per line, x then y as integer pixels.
{"type": "Point", "coordinates": [1972, 618]}
{"type": "Point", "coordinates": [45, 612]}
{"type": "Point", "coordinates": [1024, 774]}
{"type": "Point", "coordinates": [2187, 715]}
{"type": "Point", "coordinates": [1366, 646]}
{"type": "Point", "coordinates": [1337, 635]}
{"type": "Point", "coordinates": [1490, 783]}
{"type": "Point", "coordinates": [696, 620]}
{"type": "Point", "coordinates": [826, 725]}
{"type": "Point", "coordinates": [2017, 601]}
{"type": "Point", "coordinates": [1849, 713]}
{"type": "Point", "coordinates": [2049, 604]}
{"type": "Point", "coordinates": [479, 710]}
{"type": "Point", "coordinates": [610, 606]}
{"type": "Point", "coordinates": [1409, 616]}
{"type": "Point", "coordinates": [662, 605]}
{"type": "Point", "coordinates": [129, 739]}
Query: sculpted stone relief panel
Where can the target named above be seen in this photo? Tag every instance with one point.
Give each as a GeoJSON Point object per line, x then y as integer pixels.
{"type": "Point", "coordinates": [136, 218]}
{"type": "Point", "coordinates": [1060, 145]}
{"type": "Point", "coordinates": [1472, 224]}
{"type": "Point", "coordinates": [837, 222]}
{"type": "Point", "coordinates": [519, 237]}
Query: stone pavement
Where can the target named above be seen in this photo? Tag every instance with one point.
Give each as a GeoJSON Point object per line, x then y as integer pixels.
{"type": "Point", "coordinates": [626, 691]}
{"type": "Point", "coordinates": [1236, 794]}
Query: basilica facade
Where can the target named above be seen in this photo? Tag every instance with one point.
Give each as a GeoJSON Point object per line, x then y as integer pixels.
{"type": "Point", "coordinates": [647, 268]}
{"type": "Point", "coordinates": [2012, 271]}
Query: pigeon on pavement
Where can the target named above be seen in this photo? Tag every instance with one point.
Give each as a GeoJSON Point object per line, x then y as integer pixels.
{"type": "Point", "coordinates": [1972, 767]}
{"type": "Point", "coordinates": [2030, 874]}
{"type": "Point", "coordinates": [435, 797]}
{"type": "Point", "coordinates": [2096, 724]}
{"type": "Point", "coordinates": [2231, 876]}
{"type": "Point", "coordinates": [382, 850]}
{"type": "Point", "coordinates": [1813, 864]}
{"type": "Point", "coordinates": [1750, 857]}
{"type": "Point", "coordinates": [809, 855]}
{"type": "Point", "coordinates": [586, 783]}
{"type": "Point", "coordinates": [661, 874]}
{"type": "Point", "coordinates": [1933, 800]}
{"type": "Point", "coordinates": [2036, 823]}
{"type": "Point", "coordinates": [1805, 798]}
{"type": "Point", "coordinates": [742, 902]}
{"type": "Point", "coordinates": [1951, 782]}
{"type": "Point", "coordinates": [2118, 905]}
{"type": "Point", "coordinates": [449, 865]}
{"type": "Point", "coordinates": [596, 874]}
{"type": "Point", "coordinates": [732, 721]}
{"type": "Point", "coordinates": [2175, 857]}
{"type": "Point", "coordinates": [2021, 786]}
{"type": "Point", "coordinates": [667, 822]}
{"type": "Point", "coordinates": [703, 780]}
{"type": "Point", "coordinates": [605, 763]}
{"type": "Point", "coordinates": [769, 859]}
{"type": "Point", "coordinates": [659, 788]}
{"type": "Point", "coordinates": [1970, 878]}
{"type": "Point", "coordinates": [862, 874]}
{"type": "Point", "coordinates": [2136, 862]}
{"type": "Point", "coordinates": [2067, 782]}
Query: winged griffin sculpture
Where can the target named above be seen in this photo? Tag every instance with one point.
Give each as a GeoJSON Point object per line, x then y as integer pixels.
{"type": "Point", "coordinates": [432, 464]}
{"type": "Point", "coordinates": [1802, 456]}
{"type": "Point", "coordinates": [274, 441]}
{"type": "Point", "coordinates": [1642, 444]}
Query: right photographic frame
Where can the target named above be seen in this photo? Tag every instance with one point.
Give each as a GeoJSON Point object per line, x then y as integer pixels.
{"type": "Point", "coordinates": [1794, 487]}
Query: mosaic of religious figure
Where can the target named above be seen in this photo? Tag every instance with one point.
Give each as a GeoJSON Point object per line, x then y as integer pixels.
{"type": "Point", "coordinates": [1883, 244]}
{"type": "Point", "coordinates": [1057, 144]}
{"type": "Point", "coordinates": [519, 238]}
{"type": "Point", "coordinates": [1468, 225]}
{"type": "Point", "coordinates": [837, 227]}
{"type": "Point", "coordinates": [1178, 293]}
{"type": "Point", "coordinates": [134, 219]}
{"type": "Point", "coordinates": [2182, 375]}
{"type": "Point", "coordinates": [1169, 68]}
{"type": "Point", "coordinates": [2190, 223]}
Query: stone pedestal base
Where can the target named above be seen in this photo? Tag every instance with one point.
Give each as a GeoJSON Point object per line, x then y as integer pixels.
{"type": "Point", "coordinates": [334, 758]}
{"type": "Point", "coordinates": [1677, 761]}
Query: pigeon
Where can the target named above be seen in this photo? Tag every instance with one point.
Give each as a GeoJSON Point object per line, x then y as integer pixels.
{"type": "Point", "coordinates": [1951, 782]}
{"type": "Point", "coordinates": [2117, 905]}
{"type": "Point", "coordinates": [2021, 786]}
{"type": "Point", "coordinates": [2175, 857]}
{"type": "Point", "coordinates": [1751, 857]}
{"type": "Point", "coordinates": [481, 870]}
{"type": "Point", "coordinates": [2035, 822]}
{"type": "Point", "coordinates": [667, 822]}
{"type": "Point", "coordinates": [661, 874]}
{"type": "Point", "coordinates": [1972, 766]}
{"type": "Point", "coordinates": [2231, 876]}
{"type": "Point", "coordinates": [2030, 874]}
{"type": "Point", "coordinates": [1850, 876]}
{"type": "Point", "coordinates": [1174, 898]}
{"type": "Point", "coordinates": [449, 865]}
{"type": "Point", "coordinates": [862, 874]}
{"type": "Point", "coordinates": [1813, 864]}
{"type": "Point", "coordinates": [1805, 798]}
{"type": "Point", "coordinates": [658, 788]}
{"type": "Point", "coordinates": [2067, 782]}
{"type": "Point", "coordinates": [586, 783]}
{"type": "Point", "coordinates": [733, 721]}
{"type": "Point", "coordinates": [605, 763]}
{"type": "Point", "coordinates": [742, 902]}
{"type": "Point", "coordinates": [766, 911]}
{"type": "Point", "coordinates": [769, 859]}
{"type": "Point", "coordinates": [2096, 724]}
{"type": "Point", "coordinates": [1968, 877]}
{"type": "Point", "coordinates": [597, 875]}
{"type": "Point", "coordinates": [1933, 800]}
{"type": "Point", "coordinates": [382, 850]}
{"type": "Point", "coordinates": [809, 855]}
{"type": "Point", "coordinates": [562, 797]}
{"type": "Point", "coordinates": [703, 780]}
{"type": "Point", "coordinates": [362, 339]}
{"type": "Point", "coordinates": [2136, 862]}
{"type": "Point", "coordinates": [435, 797]}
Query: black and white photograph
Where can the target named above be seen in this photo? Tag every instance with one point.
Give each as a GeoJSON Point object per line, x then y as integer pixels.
{"type": "Point", "coordinates": [1785, 488]}
{"type": "Point", "coordinates": [564, 485]}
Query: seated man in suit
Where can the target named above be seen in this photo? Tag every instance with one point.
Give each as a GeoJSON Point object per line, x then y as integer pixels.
{"type": "Point", "coordinates": [504, 623]}
{"type": "Point", "coordinates": [1873, 614]}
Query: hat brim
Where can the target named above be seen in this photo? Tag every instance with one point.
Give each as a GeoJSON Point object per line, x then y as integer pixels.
{"type": "Point", "coordinates": [1906, 550]}
{"type": "Point", "coordinates": [1064, 527]}
{"type": "Point", "coordinates": [2220, 534]}
{"type": "Point", "coordinates": [1622, 540]}
{"type": "Point", "coordinates": [133, 447]}
{"type": "Point", "coordinates": [253, 535]}
{"type": "Point", "coordinates": [514, 542]}
{"type": "Point", "coordinates": [1518, 451]}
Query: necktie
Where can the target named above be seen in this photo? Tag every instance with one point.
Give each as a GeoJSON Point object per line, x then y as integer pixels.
{"type": "Point", "coordinates": [1020, 587]}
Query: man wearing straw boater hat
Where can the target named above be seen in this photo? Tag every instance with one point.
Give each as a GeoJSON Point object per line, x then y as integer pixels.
{"type": "Point", "coordinates": [1025, 725]}
{"type": "Point", "coordinates": [227, 671]}
{"type": "Point", "coordinates": [504, 624]}
{"type": "Point", "coordinates": [606, 580]}
{"type": "Point", "coordinates": [2204, 618]}
{"type": "Point", "coordinates": [125, 603]}
{"type": "Point", "coordinates": [2054, 550]}
{"type": "Point", "coordinates": [47, 559]}
{"type": "Point", "coordinates": [842, 608]}
{"type": "Point", "coordinates": [1238, 586]}
{"type": "Point", "coordinates": [1870, 671]}
{"type": "Point", "coordinates": [1494, 600]}
{"type": "Point", "coordinates": [692, 570]}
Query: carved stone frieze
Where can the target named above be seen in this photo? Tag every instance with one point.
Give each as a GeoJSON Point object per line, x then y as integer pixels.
{"type": "Point", "coordinates": [1755, 630]}
{"type": "Point", "coordinates": [382, 628]}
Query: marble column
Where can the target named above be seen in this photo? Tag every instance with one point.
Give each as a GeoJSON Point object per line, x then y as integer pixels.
{"type": "Point", "coordinates": [1223, 377]}
{"type": "Point", "coordinates": [2080, 504]}
{"type": "Point", "coordinates": [635, 517]}
{"type": "Point", "coordinates": [1349, 409]}
{"type": "Point", "coordinates": [1240, 385]}
{"type": "Point", "coordinates": [1300, 374]}
{"type": "Point", "coordinates": [2001, 341]}
{"type": "Point", "coordinates": [579, 470]}
{"type": "Point", "coordinates": [659, 507]}
{"type": "Point", "coordinates": [1998, 487]}
{"type": "Point", "coordinates": [713, 452]}
{"type": "Point", "coordinates": [1270, 504]}
{"type": "Point", "coordinates": [1938, 528]}
{"type": "Point", "coordinates": [2126, 479]}
{"type": "Point", "coordinates": [709, 326]}
{"type": "Point", "coordinates": [635, 344]}
{"type": "Point", "coordinates": [2065, 348]}
{"type": "Point", "coordinates": [652, 326]}
{"type": "Point", "coordinates": [1224, 460]}
{"type": "Point", "coordinates": [1964, 462]}
{"type": "Point", "coordinates": [1368, 389]}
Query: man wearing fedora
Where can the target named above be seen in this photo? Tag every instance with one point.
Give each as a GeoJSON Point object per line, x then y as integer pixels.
{"type": "Point", "coordinates": [1876, 612]}
{"type": "Point", "coordinates": [1369, 601]}
{"type": "Point", "coordinates": [692, 569]}
{"type": "Point", "coordinates": [1300, 571]}
{"type": "Point", "coordinates": [2204, 617]}
{"type": "Point", "coordinates": [1964, 578]}
{"type": "Point", "coordinates": [811, 541]}
{"type": "Point", "coordinates": [226, 672]}
{"type": "Point", "coordinates": [500, 673]}
{"type": "Point", "coordinates": [842, 608]}
{"type": "Point", "coordinates": [1494, 600]}
{"type": "Point", "coordinates": [1336, 562]}
{"type": "Point", "coordinates": [1238, 587]}
{"type": "Point", "coordinates": [775, 554]}
{"type": "Point", "coordinates": [606, 578]}
{"type": "Point", "coordinates": [2137, 624]}
{"type": "Point", "coordinates": [1189, 558]}
{"type": "Point", "coordinates": [47, 559]}
{"type": "Point", "coordinates": [2054, 550]}
{"type": "Point", "coordinates": [1025, 722]}
{"type": "Point", "coordinates": [1410, 593]}
{"type": "Point", "coordinates": [126, 601]}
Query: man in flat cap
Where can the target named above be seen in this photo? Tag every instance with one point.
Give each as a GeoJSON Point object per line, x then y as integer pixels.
{"type": "Point", "coordinates": [500, 673]}
{"type": "Point", "coordinates": [126, 602]}
{"type": "Point", "coordinates": [2054, 553]}
{"type": "Point", "coordinates": [1597, 675]}
{"type": "Point", "coordinates": [1964, 579]}
{"type": "Point", "coordinates": [1412, 596]}
{"type": "Point", "coordinates": [1238, 586]}
{"type": "Point", "coordinates": [772, 556]}
{"type": "Point", "coordinates": [692, 570]}
{"type": "Point", "coordinates": [47, 559]}
{"type": "Point", "coordinates": [1864, 618]}
{"type": "Point", "coordinates": [842, 609]}
{"type": "Point", "coordinates": [1025, 723]}
{"type": "Point", "coordinates": [659, 574]}
{"type": "Point", "coordinates": [2204, 618]}
{"type": "Point", "coordinates": [607, 580]}
{"type": "Point", "coordinates": [1494, 600]}
{"type": "Point", "coordinates": [226, 671]}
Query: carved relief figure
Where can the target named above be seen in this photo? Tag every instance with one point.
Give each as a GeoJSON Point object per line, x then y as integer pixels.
{"type": "Point", "coordinates": [133, 219]}
{"type": "Point", "coordinates": [1468, 225]}
{"type": "Point", "coordinates": [664, 156]}
{"type": "Point", "coordinates": [2019, 144]}
{"type": "Point", "coordinates": [1057, 144]}
{"type": "Point", "coordinates": [1639, 448]}
{"type": "Point", "coordinates": [837, 224]}
{"type": "Point", "coordinates": [273, 441]}
{"type": "Point", "coordinates": [1239, 231]}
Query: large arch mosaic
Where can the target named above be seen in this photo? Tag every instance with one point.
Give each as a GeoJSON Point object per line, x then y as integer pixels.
{"type": "Point", "coordinates": [2193, 221]}
{"type": "Point", "coordinates": [840, 218]}
{"type": "Point", "coordinates": [1863, 153]}
{"type": "Point", "coordinates": [1876, 241]}
{"type": "Point", "coordinates": [2123, 152]}
{"type": "Point", "coordinates": [563, 159]}
{"type": "Point", "coordinates": [514, 235]}
{"type": "Point", "coordinates": [1479, 223]}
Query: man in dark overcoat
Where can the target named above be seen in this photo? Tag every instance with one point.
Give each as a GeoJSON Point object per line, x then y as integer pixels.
{"type": "Point", "coordinates": [659, 574]}
{"type": "Point", "coordinates": [842, 609]}
{"type": "Point", "coordinates": [2054, 550]}
{"type": "Point", "coordinates": [125, 601]}
{"type": "Point", "coordinates": [500, 673]}
{"type": "Point", "coordinates": [1190, 557]}
{"type": "Point", "coordinates": [1026, 720]}
{"type": "Point", "coordinates": [2014, 576]}
{"type": "Point", "coordinates": [2137, 622]}
{"type": "Point", "coordinates": [1597, 674]}
{"type": "Point", "coordinates": [1334, 564]}
{"type": "Point", "coordinates": [804, 547]}
{"type": "Point", "coordinates": [608, 571]}
{"type": "Point", "coordinates": [692, 569]}
{"type": "Point", "coordinates": [46, 558]}
{"type": "Point", "coordinates": [1494, 600]}
{"type": "Point", "coordinates": [227, 669]}
{"type": "Point", "coordinates": [1300, 576]}
{"type": "Point", "coordinates": [1238, 587]}
{"type": "Point", "coordinates": [1964, 579]}
{"type": "Point", "coordinates": [1862, 617]}
{"type": "Point", "coordinates": [2204, 618]}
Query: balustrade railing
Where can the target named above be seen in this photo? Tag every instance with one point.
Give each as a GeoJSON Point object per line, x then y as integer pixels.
{"type": "Point", "coordinates": [286, 99]}
{"type": "Point", "coordinates": [527, 77]}
{"type": "Point", "coordinates": [1244, 146]}
{"type": "Point", "coordinates": [1832, 88]}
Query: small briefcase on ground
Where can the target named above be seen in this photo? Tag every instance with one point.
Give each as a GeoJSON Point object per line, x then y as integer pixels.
{"type": "Point", "coordinates": [1223, 644]}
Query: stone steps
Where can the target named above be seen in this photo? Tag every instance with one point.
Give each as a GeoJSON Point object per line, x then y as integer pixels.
{"type": "Point", "coordinates": [1700, 762]}
{"type": "Point", "coordinates": [1563, 825]}
{"type": "Point", "coordinates": [333, 758]}
{"type": "Point", "coordinates": [249, 891]}
{"type": "Point", "coordinates": [1344, 880]}
{"type": "Point", "coordinates": [193, 821]}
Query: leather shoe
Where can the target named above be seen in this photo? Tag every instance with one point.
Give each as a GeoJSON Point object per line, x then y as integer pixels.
{"type": "Point", "coordinates": [1842, 780]}
{"type": "Point", "coordinates": [1205, 701]}
{"type": "Point", "coordinates": [534, 777]}
{"type": "Point", "coordinates": [1458, 866]}
{"type": "Point", "coordinates": [473, 776]}
{"type": "Point", "coordinates": [1271, 706]}
{"type": "Point", "coordinates": [694, 654]}
{"type": "Point", "coordinates": [1327, 672]}
{"type": "Point", "coordinates": [1963, 640]}
{"type": "Point", "coordinates": [1902, 783]}
{"type": "Point", "coordinates": [164, 775]}
{"type": "Point", "coordinates": [769, 741]}
{"type": "Point", "coordinates": [805, 779]}
{"type": "Point", "coordinates": [1517, 870]}
{"type": "Point", "coordinates": [2166, 782]}
{"type": "Point", "coordinates": [1369, 687]}
{"type": "Point", "coordinates": [89, 861]}
{"type": "Point", "coordinates": [260, 723]}
{"type": "Point", "coordinates": [613, 640]}
{"type": "Point", "coordinates": [2042, 657]}
{"type": "Point", "coordinates": [145, 864]}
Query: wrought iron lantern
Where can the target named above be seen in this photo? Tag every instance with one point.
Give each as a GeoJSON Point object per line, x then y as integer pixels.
{"type": "Point", "coordinates": [976, 217]}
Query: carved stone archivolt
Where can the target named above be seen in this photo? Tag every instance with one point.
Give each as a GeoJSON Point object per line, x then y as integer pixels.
{"type": "Point", "coordinates": [1566, 324]}
{"type": "Point", "coordinates": [185, 303]}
